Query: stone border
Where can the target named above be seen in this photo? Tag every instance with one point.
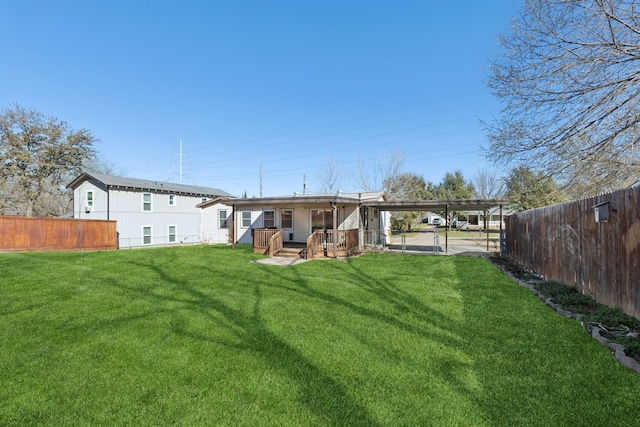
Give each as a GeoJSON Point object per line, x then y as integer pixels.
{"type": "Point", "coordinates": [618, 350]}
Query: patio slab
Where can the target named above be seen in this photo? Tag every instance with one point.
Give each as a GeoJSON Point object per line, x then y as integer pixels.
{"type": "Point", "coordinates": [282, 261]}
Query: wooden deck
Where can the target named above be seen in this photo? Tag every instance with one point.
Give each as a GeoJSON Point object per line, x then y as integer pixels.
{"type": "Point", "coordinates": [319, 245]}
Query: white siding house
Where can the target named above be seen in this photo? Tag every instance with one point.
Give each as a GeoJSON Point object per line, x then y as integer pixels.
{"type": "Point", "coordinates": [299, 216]}
{"type": "Point", "coordinates": [146, 212]}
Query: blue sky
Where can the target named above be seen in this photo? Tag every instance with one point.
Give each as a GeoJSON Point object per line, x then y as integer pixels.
{"type": "Point", "coordinates": [285, 84]}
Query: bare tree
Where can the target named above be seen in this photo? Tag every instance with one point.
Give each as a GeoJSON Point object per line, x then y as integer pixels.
{"type": "Point", "coordinates": [330, 177]}
{"type": "Point", "coordinates": [377, 175]}
{"type": "Point", "coordinates": [568, 80]}
{"type": "Point", "coordinates": [405, 186]}
{"type": "Point", "coordinates": [488, 184]}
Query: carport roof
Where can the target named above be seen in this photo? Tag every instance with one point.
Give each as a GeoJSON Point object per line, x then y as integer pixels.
{"type": "Point", "coordinates": [346, 198]}
{"type": "Point", "coordinates": [374, 200]}
{"type": "Point", "coordinates": [437, 205]}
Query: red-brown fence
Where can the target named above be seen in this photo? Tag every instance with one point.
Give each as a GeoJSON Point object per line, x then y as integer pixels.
{"type": "Point", "coordinates": [18, 233]}
{"type": "Point", "coordinates": [567, 243]}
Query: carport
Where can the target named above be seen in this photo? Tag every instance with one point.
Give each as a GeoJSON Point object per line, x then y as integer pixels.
{"type": "Point", "coordinates": [442, 205]}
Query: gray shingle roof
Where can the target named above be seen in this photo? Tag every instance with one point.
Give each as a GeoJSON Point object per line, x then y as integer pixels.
{"type": "Point", "coordinates": [145, 184]}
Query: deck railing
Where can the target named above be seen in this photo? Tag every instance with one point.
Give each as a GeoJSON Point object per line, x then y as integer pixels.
{"type": "Point", "coordinates": [321, 243]}
{"type": "Point", "coordinates": [261, 238]}
{"type": "Point", "coordinates": [275, 243]}
{"type": "Point", "coordinates": [315, 245]}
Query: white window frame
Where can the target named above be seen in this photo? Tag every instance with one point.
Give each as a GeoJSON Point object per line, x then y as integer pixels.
{"type": "Point", "coordinates": [172, 200]}
{"type": "Point", "coordinates": [243, 219]}
{"type": "Point", "coordinates": [222, 225]}
{"type": "Point", "coordinates": [204, 199]}
{"type": "Point", "coordinates": [264, 218]}
{"type": "Point", "coordinates": [89, 199]}
{"type": "Point", "coordinates": [150, 227]}
{"type": "Point", "coordinates": [150, 202]}
{"type": "Point", "coordinates": [175, 233]}
{"type": "Point", "coordinates": [282, 217]}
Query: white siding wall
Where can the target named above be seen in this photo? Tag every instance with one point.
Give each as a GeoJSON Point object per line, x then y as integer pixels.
{"type": "Point", "coordinates": [244, 233]}
{"type": "Point", "coordinates": [301, 224]}
{"type": "Point", "coordinates": [125, 207]}
{"type": "Point", "coordinates": [99, 209]}
{"type": "Point", "coordinates": [350, 217]}
{"type": "Point", "coordinates": [211, 232]}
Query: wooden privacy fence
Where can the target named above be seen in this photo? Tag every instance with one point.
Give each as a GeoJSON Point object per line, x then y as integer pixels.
{"type": "Point", "coordinates": [599, 251]}
{"type": "Point", "coordinates": [18, 233]}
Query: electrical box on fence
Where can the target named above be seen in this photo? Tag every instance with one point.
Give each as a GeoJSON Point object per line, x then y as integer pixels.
{"type": "Point", "coordinates": [601, 212]}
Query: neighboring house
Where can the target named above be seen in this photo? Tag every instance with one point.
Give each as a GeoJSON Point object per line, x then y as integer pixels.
{"type": "Point", "coordinates": [146, 212]}
{"type": "Point", "coordinates": [297, 217]}
{"type": "Point", "coordinates": [495, 219]}
{"type": "Point", "coordinates": [215, 220]}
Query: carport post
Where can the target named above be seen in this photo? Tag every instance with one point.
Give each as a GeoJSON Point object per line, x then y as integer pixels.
{"type": "Point", "coordinates": [446, 229]}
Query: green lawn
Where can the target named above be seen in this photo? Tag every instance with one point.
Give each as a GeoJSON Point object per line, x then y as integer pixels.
{"type": "Point", "coordinates": [201, 336]}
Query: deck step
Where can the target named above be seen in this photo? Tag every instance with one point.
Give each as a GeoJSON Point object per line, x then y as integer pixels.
{"type": "Point", "coordinates": [291, 253]}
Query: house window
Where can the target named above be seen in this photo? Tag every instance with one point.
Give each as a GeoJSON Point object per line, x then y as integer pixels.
{"type": "Point", "coordinates": [246, 219]}
{"type": "Point", "coordinates": [172, 199]}
{"type": "Point", "coordinates": [172, 233]}
{"type": "Point", "coordinates": [89, 199]}
{"type": "Point", "coordinates": [204, 199]}
{"type": "Point", "coordinates": [269, 219]}
{"type": "Point", "coordinates": [222, 219]}
{"type": "Point", "coordinates": [322, 219]}
{"type": "Point", "coordinates": [146, 235]}
{"type": "Point", "coordinates": [286, 218]}
{"type": "Point", "coordinates": [146, 202]}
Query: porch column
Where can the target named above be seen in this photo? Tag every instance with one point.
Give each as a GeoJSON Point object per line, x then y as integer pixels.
{"type": "Point", "coordinates": [335, 229]}
{"type": "Point", "coordinates": [361, 233]}
{"type": "Point", "coordinates": [234, 218]}
{"type": "Point", "coordinates": [487, 225]}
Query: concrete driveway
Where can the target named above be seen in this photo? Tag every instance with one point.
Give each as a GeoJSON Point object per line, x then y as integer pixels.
{"type": "Point", "coordinates": [425, 242]}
